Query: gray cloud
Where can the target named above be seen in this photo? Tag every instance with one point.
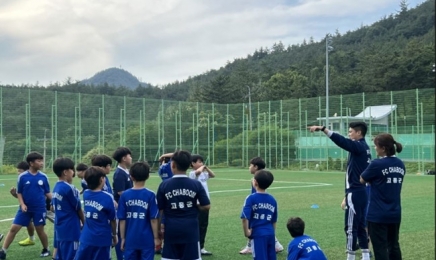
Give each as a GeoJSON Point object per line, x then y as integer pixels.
{"type": "Point", "coordinates": [159, 41]}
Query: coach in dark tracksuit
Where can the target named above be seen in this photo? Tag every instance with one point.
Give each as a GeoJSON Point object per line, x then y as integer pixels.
{"type": "Point", "coordinates": [356, 199]}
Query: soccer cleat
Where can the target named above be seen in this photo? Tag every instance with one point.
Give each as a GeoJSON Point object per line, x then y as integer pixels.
{"type": "Point", "coordinates": [50, 216]}
{"type": "Point", "coordinates": [246, 251]}
{"type": "Point", "coordinates": [205, 252]}
{"type": "Point", "coordinates": [2, 255]}
{"type": "Point", "coordinates": [279, 247]}
{"type": "Point", "coordinates": [44, 253]}
{"type": "Point", "coordinates": [26, 242]}
{"type": "Point", "coordinates": [1, 237]}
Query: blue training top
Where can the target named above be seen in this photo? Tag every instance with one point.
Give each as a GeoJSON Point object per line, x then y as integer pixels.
{"type": "Point", "coordinates": [359, 157]}
{"type": "Point", "coordinates": [260, 209]}
{"type": "Point", "coordinates": [66, 203]}
{"type": "Point", "coordinates": [165, 172]}
{"type": "Point", "coordinates": [138, 207]}
{"type": "Point", "coordinates": [305, 248]}
{"type": "Point", "coordinates": [386, 176]}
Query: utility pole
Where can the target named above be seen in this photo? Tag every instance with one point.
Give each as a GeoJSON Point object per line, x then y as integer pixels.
{"type": "Point", "coordinates": [45, 147]}
{"type": "Point", "coordinates": [328, 48]}
{"type": "Point", "coordinates": [249, 108]}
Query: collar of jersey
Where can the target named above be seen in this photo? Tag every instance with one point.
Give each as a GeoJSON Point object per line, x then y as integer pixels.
{"type": "Point", "coordinates": [124, 170]}
{"type": "Point", "coordinates": [180, 176]}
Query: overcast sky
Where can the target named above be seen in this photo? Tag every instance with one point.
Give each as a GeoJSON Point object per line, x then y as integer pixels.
{"type": "Point", "coordinates": [160, 41]}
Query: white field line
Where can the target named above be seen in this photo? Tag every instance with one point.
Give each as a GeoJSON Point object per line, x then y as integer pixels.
{"type": "Point", "coordinates": [9, 206]}
{"type": "Point", "coordinates": [6, 219]}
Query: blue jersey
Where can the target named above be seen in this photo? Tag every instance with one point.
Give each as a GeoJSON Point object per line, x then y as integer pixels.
{"type": "Point", "coordinates": [33, 188]}
{"type": "Point", "coordinates": [99, 211]}
{"type": "Point", "coordinates": [177, 197]}
{"type": "Point", "coordinates": [107, 186]}
{"type": "Point", "coordinates": [121, 182]}
{"type": "Point", "coordinates": [137, 207]}
{"type": "Point", "coordinates": [165, 172]}
{"type": "Point", "coordinates": [66, 202]}
{"type": "Point", "coordinates": [261, 211]}
{"type": "Point", "coordinates": [83, 184]}
{"type": "Point", "coordinates": [305, 248]}
{"type": "Point", "coordinates": [386, 176]}
{"type": "Point", "coordinates": [359, 157]}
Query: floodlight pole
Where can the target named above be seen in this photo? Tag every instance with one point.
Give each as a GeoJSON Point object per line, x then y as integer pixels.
{"type": "Point", "coordinates": [328, 48]}
{"type": "Point", "coordinates": [249, 108]}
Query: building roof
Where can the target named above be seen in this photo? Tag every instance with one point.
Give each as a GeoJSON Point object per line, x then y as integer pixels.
{"type": "Point", "coordinates": [373, 112]}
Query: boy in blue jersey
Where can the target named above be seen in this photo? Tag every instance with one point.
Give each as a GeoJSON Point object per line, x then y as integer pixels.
{"type": "Point", "coordinates": [164, 171]}
{"type": "Point", "coordinates": [22, 167]}
{"type": "Point", "coordinates": [202, 173]}
{"type": "Point", "coordinates": [257, 164]}
{"type": "Point", "coordinates": [138, 217]}
{"type": "Point", "coordinates": [99, 232]}
{"type": "Point", "coordinates": [259, 217]}
{"type": "Point", "coordinates": [386, 176]}
{"type": "Point", "coordinates": [105, 163]}
{"type": "Point", "coordinates": [68, 211]}
{"type": "Point", "coordinates": [177, 201]}
{"type": "Point", "coordinates": [302, 247]}
{"type": "Point", "coordinates": [121, 182]}
{"type": "Point", "coordinates": [80, 169]}
{"type": "Point", "coordinates": [356, 199]}
{"type": "Point", "coordinates": [32, 190]}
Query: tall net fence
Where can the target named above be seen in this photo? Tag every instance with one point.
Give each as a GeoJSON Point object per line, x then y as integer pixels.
{"type": "Point", "coordinates": [79, 125]}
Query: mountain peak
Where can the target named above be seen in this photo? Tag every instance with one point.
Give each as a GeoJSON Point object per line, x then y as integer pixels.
{"type": "Point", "coordinates": [114, 77]}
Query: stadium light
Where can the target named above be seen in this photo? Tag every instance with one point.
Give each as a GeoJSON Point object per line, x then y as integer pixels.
{"type": "Point", "coordinates": [434, 68]}
{"type": "Point", "coordinates": [328, 48]}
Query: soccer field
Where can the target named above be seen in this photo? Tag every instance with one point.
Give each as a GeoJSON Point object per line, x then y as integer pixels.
{"type": "Point", "coordinates": [295, 193]}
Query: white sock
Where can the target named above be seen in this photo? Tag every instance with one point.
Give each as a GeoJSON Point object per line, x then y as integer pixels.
{"type": "Point", "coordinates": [249, 243]}
{"type": "Point", "coordinates": [4, 250]}
{"type": "Point", "coordinates": [365, 254]}
{"type": "Point", "coordinates": [351, 255]}
{"type": "Point", "coordinates": [32, 238]}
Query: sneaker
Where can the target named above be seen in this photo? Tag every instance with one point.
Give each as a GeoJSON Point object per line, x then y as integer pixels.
{"type": "Point", "coordinates": [26, 242]}
{"type": "Point", "coordinates": [205, 252]}
{"type": "Point", "coordinates": [1, 237]}
{"type": "Point", "coordinates": [158, 249]}
{"type": "Point", "coordinates": [45, 253]}
{"type": "Point", "coordinates": [279, 247]}
{"type": "Point", "coordinates": [246, 251]}
{"type": "Point", "coordinates": [2, 255]}
{"type": "Point", "coordinates": [50, 216]}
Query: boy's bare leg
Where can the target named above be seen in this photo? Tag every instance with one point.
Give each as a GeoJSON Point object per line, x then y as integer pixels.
{"type": "Point", "coordinates": [11, 236]}
{"type": "Point", "coordinates": [31, 229]}
{"type": "Point", "coordinates": [42, 236]}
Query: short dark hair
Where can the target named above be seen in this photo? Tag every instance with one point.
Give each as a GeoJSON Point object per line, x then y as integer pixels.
{"type": "Point", "coordinates": [295, 226]}
{"type": "Point", "coordinates": [93, 176]}
{"type": "Point", "coordinates": [32, 156]}
{"type": "Point", "coordinates": [195, 158]}
{"type": "Point", "coordinates": [182, 159]}
{"type": "Point", "coordinates": [164, 159]}
{"type": "Point", "coordinates": [81, 167]}
{"type": "Point", "coordinates": [62, 164]}
{"type": "Point", "coordinates": [259, 162]}
{"type": "Point", "coordinates": [359, 126]}
{"type": "Point", "coordinates": [23, 166]}
{"type": "Point", "coordinates": [140, 171]}
{"type": "Point", "coordinates": [387, 141]}
{"type": "Point", "coordinates": [101, 160]}
{"type": "Point", "coordinates": [264, 178]}
{"type": "Point", "coordinates": [120, 152]}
